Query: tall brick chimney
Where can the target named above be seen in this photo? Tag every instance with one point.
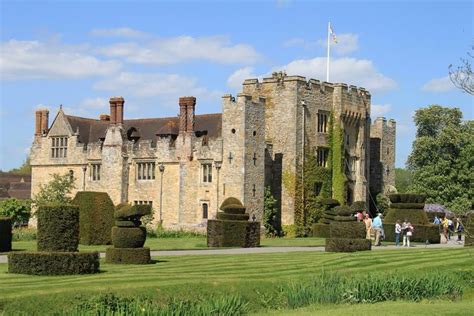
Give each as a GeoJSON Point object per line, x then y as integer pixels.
{"type": "Point", "coordinates": [41, 121]}
{"type": "Point", "coordinates": [116, 110]}
{"type": "Point", "coordinates": [187, 107]}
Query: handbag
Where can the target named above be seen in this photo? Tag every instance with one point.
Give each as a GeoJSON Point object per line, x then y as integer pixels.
{"type": "Point", "coordinates": [409, 234]}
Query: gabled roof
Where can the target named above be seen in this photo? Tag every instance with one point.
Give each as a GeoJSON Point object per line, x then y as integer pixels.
{"type": "Point", "coordinates": [91, 130]}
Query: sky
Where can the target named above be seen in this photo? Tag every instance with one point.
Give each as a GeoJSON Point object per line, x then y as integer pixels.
{"type": "Point", "coordinates": [80, 53]}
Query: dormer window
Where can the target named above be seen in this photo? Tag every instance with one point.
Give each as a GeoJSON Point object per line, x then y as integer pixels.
{"type": "Point", "coordinates": [59, 147]}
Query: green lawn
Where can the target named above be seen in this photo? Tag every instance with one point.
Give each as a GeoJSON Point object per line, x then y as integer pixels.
{"type": "Point", "coordinates": [187, 243]}
{"type": "Point", "coordinates": [255, 277]}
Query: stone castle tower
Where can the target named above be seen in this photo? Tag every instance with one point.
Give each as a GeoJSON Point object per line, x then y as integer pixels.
{"type": "Point", "coordinates": [186, 165]}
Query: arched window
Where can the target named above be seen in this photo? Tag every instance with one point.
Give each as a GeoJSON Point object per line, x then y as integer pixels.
{"type": "Point", "coordinates": [205, 208]}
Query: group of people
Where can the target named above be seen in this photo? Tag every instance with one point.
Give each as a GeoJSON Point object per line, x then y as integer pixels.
{"type": "Point", "coordinates": [448, 227]}
{"type": "Point", "coordinates": [374, 227]}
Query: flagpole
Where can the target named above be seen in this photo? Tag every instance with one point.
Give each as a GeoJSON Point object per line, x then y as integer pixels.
{"type": "Point", "coordinates": [329, 45]}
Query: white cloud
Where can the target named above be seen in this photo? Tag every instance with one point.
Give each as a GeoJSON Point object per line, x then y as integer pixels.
{"type": "Point", "coordinates": [119, 32]}
{"type": "Point", "coordinates": [94, 103]}
{"type": "Point", "coordinates": [346, 43]}
{"type": "Point", "coordinates": [379, 109]}
{"type": "Point", "coordinates": [360, 72]}
{"type": "Point", "coordinates": [236, 79]}
{"type": "Point", "coordinates": [183, 48]}
{"type": "Point", "coordinates": [443, 84]}
{"type": "Point", "coordinates": [154, 84]}
{"type": "Point", "coordinates": [22, 60]}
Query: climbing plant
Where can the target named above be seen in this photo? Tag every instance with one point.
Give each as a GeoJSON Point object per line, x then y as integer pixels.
{"type": "Point", "coordinates": [336, 160]}
{"type": "Point", "coordinates": [271, 216]}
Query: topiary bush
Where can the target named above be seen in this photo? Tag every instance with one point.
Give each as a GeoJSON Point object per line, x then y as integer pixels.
{"type": "Point", "coordinates": [421, 233]}
{"type": "Point", "coordinates": [342, 210]}
{"type": "Point", "coordinates": [96, 217]}
{"type": "Point", "coordinates": [347, 230]}
{"type": "Point", "coordinates": [53, 263]}
{"type": "Point", "coordinates": [5, 234]}
{"type": "Point", "coordinates": [226, 233]}
{"type": "Point", "coordinates": [320, 230]}
{"type": "Point", "coordinates": [232, 217]}
{"type": "Point", "coordinates": [58, 227]}
{"type": "Point", "coordinates": [358, 206]}
{"type": "Point", "coordinates": [407, 198]}
{"type": "Point", "coordinates": [414, 216]}
{"type": "Point", "coordinates": [347, 245]}
{"type": "Point", "coordinates": [127, 255]}
{"type": "Point", "coordinates": [408, 205]}
{"type": "Point", "coordinates": [330, 203]}
{"type": "Point", "coordinates": [128, 237]}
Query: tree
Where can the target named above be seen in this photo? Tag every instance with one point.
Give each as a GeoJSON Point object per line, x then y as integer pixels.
{"type": "Point", "coordinates": [271, 218]}
{"type": "Point", "coordinates": [57, 191]}
{"type": "Point", "coordinates": [383, 203]}
{"type": "Point", "coordinates": [18, 210]}
{"type": "Point", "coordinates": [24, 169]}
{"type": "Point", "coordinates": [442, 159]}
{"type": "Point", "coordinates": [462, 76]}
{"type": "Point", "coordinates": [403, 179]}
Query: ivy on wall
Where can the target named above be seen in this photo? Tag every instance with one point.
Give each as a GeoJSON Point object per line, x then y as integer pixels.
{"type": "Point", "coordinates": [336, 159]}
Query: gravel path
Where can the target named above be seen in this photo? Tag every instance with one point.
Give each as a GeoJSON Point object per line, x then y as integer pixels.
{"type": "Point", "coordinates": [238, 251]}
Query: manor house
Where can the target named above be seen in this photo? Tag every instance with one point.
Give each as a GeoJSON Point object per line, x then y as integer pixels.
{"type": "Point", "coordinates": [185, 166]}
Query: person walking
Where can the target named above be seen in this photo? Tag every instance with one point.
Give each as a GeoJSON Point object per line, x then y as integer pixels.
{"type": "Point", "coordinates": [404, 231]}
{"type": "Point", "coordinates": [409, 233]}
{"type": "Point", "coordinates": [398, 231]}
{"type": "Point", "coordinates": [459, 229]}
{"type": "Point", "coordinates": [368, 226]}
{"type": "Point", "coordinates": [377, 226]}
{"type": "Point", "coordinates": [445, 224]}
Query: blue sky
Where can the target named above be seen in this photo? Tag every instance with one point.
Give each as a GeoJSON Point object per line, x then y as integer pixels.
{"type": "Point", "coordinates": [79, 53]}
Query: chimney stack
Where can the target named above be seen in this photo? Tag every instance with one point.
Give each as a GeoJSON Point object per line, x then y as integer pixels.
{"type": "Point", "coordinates": [116, 110]}
{"type": "Point", "coordinates": [104, 117]}
{"type": "Point", "coordinates": [41, 122]}
{"type": "Point", "coordinates": [187, 107]}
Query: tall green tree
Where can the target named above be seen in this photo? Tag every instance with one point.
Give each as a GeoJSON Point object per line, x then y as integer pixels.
{"type": "Point", "coordinates": [57, 191]}
{"type": "Point", "coordinates": [403, 179]}
{"type": "Point", "coordinates": [442, 159]}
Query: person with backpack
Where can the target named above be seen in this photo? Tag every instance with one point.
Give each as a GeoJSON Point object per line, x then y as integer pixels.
{"type": "Point", "coordinates": [459, 229]}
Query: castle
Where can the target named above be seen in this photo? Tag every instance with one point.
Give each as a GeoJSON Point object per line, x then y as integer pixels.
{"type": "Point", "coordinates": [185, 166]}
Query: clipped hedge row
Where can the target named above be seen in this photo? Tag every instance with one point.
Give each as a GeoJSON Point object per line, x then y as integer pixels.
{"type": "Point", "coordinates": [421, 233]}
{"type": "Point", "coordinates": [5, 234]}
{"type": "Point", "coordinates": [320, 230]}
{"type": "Point", "coordinates": [342, 210]}
{"type": "Point", "coordinates": [407, 198]}
{"type": "Point", "coordinates": [128, 237]}
{"type": "Point", "coordinates": [225, 233]}
{"type": "Point", "coordinates": [347, 245]}
{"type": "Point", "coordinates": [431, 215]}
{"type": "Point", "coordinates": [339, 218]}
{"type": "Point", "coordinates": [125, 211]}
{"type": "Point", "coordinates": [58, 227]}
{"type": "Point", "coordinates": [127, 255]}
{"type": "Point", "coordinates": [53, 263]}
{"type": "Point", "coordinates": [330, 203]}
{"type": "Point", "coordinates": [408, 205]}
{"type": "Point", "coordinates": [232, 217]}
{"type": "Point", "coordinates": [414, 216]}
{"type": "Point", "coordinates": [96, 217]}
{"type": "Point", "coordinates": [347, 230]}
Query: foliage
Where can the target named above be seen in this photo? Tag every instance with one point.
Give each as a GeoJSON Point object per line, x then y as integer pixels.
{"type": "Point", "coordinates": [226, 233]}
{"type": "Point", "coordinates": [57, 191]}
{"type": "Point", "coordinates": [23, 170]}
{"type": "Point", "coordinates": [421, 233]}
{"type": "Point", "coordinates": [18, 210]}
{"type": "Point", "coordinates": [462, 77]}
{"type": "Point", "coordinates": [128, 237]}
{"type": "Point", "coordinates": [5, 234]}
{"type": "Point", "coordinates": [271, 216]}
{"type": "Point", "coordinates": [382, 202]}
{"type": "Point", "coordinates": [347, 230]}
{"type": "Point", "coordinates": [96, 217]}
{"type": "Point", "coordinates": [336, 159]}
{"type": "Point", "coordinates": [24, 233]}
{"type": "Point", "coordinates": [407, 198]}
{"type": "Point", "coordinates": [160, 232]}
{"type": "Point", "coordinates": [403, 179]}
{"type": "Point", "coordinates": [58, 227]}
{"type": "Point", "coordinates": [414, 216]}
{"type": "Point", "coordinates": [53, 263]}
{"type": "Point", "coordinates": [442, 159]}
{"type": "Point", "coordinates": [127, 255]}
{"type": "Point", "coordinates": [289, 231]}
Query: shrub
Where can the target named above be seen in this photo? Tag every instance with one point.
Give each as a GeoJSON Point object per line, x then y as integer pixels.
{"type": "Point", "coordinates": [160, 232]}
{"type": "Point", "coordinates": [128, 237]}
{"type": "Point", "coordinates": [342, 210]}
{"type": "Point", "coordinates": [127, 211]}
{"type": "Point", "coordinates": [5, 234]}
{"type": "Point", "coordinates": [330, 203]}
{"type": "Point", "coordinates": [407, 198]}
{"type": "Point", "coordinates": [56, 191]}
{"type": "Point", "coordinates": [127, 255]}
{"type": "Point", "coordinates": [347, 230]}
{"type": "Point", "coordinates": [358, 206]}
{"type": "Point", "coordinates": [382, 202]}
{"type": "Point", "coordinates": [233, 233]}
{"type": "Point", "coordinates": [339, 218]}
{"type": "Point", "coordinates": [96, 217]}
{"type": "Point", "coordinates": [320, 230]}
{"type": "Point", "coordinates": [19, 211]}
{"type": "Point", "coordinates": [414, 216]}
{"type": "Point", "coordinates": [53, 263]}
{"type": "Point", "coordinates": [125, 224]}
{"type": "Point", "coordinates": [421, 233]}
{"type": "Point", "coordinates": [408, 205]}
{"type": "Point", "coordinates": [431, 215]}
{"type": "Point", "coordinates": [289, 231]}
{"type": "Point", "coordinates": [271, 215]}
{"type": "Point", "coordinates": [347, 244]}
{"type": "Point", "coordinates": [232, 217]}
{"type": "Point", "coordinates": [58, 227]}
{"type": "Point", "coordinates": [24, 234]}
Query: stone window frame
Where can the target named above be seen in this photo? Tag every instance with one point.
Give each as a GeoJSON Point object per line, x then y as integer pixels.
{"type": "Point", "coordinates": [322, 156]}
{"type": "Point", "coordinates": [322, 123]}
{"type": "Point", "coordinates": [145, 170]}
{"type": "Point", "coordinates": [143, 202]}
{"type": "Point", "coordinates": [202, 203]}
{"type": "Point", "coordinates": [206, 172]}
{"type": "Point", "coordinates": [59, 146]}
{"type": "Point", "coordinates": [95, 169]}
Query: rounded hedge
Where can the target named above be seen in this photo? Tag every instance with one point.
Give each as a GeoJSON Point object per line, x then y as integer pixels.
{"type": "Point", "coordinates": [227, 233]}
{"type": "Point", "coordinates": [343, 210]}
{"type": "Point", "coordinates": [5, 234]}
{"type": "Point", "coordinates": [414, 216]}
{"type": "Point", "coordinates": [332, 218]}
{"type": "Point", "coordinates": [127, 255]}
{"type": "Point", "coordinates": [96, 217]}
{"type": "Point", "coordinates": [125, 224]}
{"type": "Point", "coordinates": [53, 263]}
{"type": "Point", "coordinates": [408, 205]}
{"type": "Point", "coordinates": [125, 211]}
{"type": "Point", "coordinates": [347, 245]}
{"type": "Point", "coordinates": [233, 217]}
{"type": "Point", "coordinates": [330, 203]}
{"type": "Point", "coordinates": [231, 202]}
{"type": "Point", "coordinates": [347, 230]}
{"type": "Point", "coordinates": [128, 237]}
{"type": "Point", "coordinates": [320, 230]}
{"type": "Point", "coordinates": [58, 228]}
